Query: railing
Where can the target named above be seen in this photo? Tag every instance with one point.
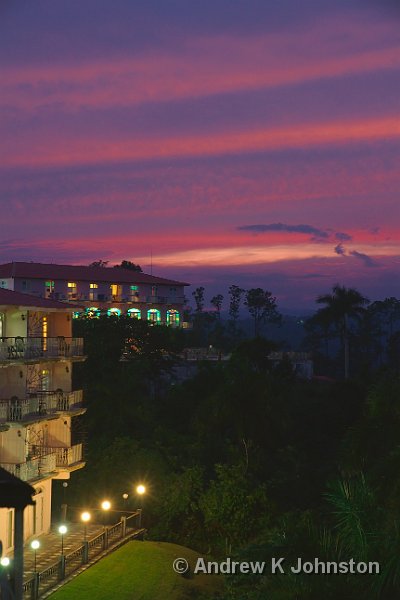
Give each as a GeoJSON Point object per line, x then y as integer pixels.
{"type": "Point", "coordinates": [14, 348]}
{"type": "Point", "coordinates": [39, 403]}
{"type": "Point", "coordinates": [32, 469]}
{"type": "Point", "coordinates": [66, 456]}
{"type": "Point", "coordinates": [120, 533]}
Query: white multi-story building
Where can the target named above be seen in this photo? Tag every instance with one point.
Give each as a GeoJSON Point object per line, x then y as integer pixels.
{"type": "Point", "coordinates": [100, 289]}
{"type": "Point", "coordinates": [37, 403]}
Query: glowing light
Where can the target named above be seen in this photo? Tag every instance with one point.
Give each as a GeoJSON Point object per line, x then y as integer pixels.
{"type": "Point", "coordinates": [141, 489]}
{"type": "Point", "coordinates": [106, 505]}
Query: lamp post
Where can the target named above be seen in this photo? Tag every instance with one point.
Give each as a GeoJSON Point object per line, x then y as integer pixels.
{"type": "Point", "coordinates": [35, 545]}
{"type": "Point", "coordinates": [85, 518]}
{"type": "Point", "coordinates": [62, 530]}
{"type": "Point", "coordinates": [140, 490]}
{"type": "Point", "coordinates": [105, 506]}
{"type": "Point", "coordinates": [125, 497]}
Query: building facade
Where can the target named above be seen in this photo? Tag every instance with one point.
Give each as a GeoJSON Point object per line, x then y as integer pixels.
{"type": "Point", "coordinates": [37, 402]}
{"type": "Point", "coordinates": [100, 289]}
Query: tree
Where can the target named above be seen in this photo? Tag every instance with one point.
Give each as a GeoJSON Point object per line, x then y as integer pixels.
{"type": "Point", "coordinates": [198, 296]}
{"type": "Point", "coordinates": [235, 293]}
{"type": "Point", "coordinates": [342, 305]}
{"type": "Point", "coordinates": [129, 265]}
{"type": "Point", "coordinates": [98, 263]}
{"type": "Point", "coordinates": [216, 301]}
{"type": "Point", "coordinates": [262, 307]}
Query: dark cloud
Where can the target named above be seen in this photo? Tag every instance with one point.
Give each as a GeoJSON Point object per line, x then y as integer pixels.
{"type": "Point", "coordinates": [343, 237]}
{"type": "Point", "coordinates": [307, 229]}
{"type": "Point", "coordinates": [367, 260]}
{"type": "Point", "coordinates": [339, 249]}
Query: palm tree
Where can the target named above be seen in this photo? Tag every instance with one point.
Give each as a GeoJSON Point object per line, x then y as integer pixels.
{"type": "Point", "coordinates": [342, 305]}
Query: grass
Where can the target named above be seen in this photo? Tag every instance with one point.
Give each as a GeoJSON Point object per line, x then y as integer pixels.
{"type": "Point", "coordinates": [140, 571]}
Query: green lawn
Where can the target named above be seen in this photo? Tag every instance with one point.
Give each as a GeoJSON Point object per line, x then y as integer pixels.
{"type": "Point", "coordinates": [139, 571]}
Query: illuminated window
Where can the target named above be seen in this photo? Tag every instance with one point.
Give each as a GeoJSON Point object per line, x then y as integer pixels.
{"type": "Point", "coordinates": [154, 315]}
{"type": "Point", "coordinates": [45, 380]}
{"type": "Point", "coordinates": [113, 312]}
{"type": "Point", "coordinates": [49, 288]}
{"type": "Point", "coordinates": [173, 317]}
{"type": "Point", "coordinates": [76, 315]}
{"type": "Point", "coordinates": [3, 284]}
{"type": "Point", "coordinates": [135, 313]}
{"type": "Point", "coordinates": [94, 286]}
{"type": "Point", "coordinates": [92, 312]}
{"type": "Point", "coordinates": [45, 331]}
{"type": "Point", "coordinates": [134, 293]}
{"type": "Point", "coordinates": [71, 290]}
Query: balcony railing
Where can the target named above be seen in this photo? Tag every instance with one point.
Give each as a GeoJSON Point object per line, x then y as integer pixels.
{"type": "Point", "coordinates": [66, 457]}
{"type": "Point", "coordinates": [14, 348]}
{"type": "Point", "coordinates": [34, 468]}
{"type": "Point", "coordinates": [39, 404]}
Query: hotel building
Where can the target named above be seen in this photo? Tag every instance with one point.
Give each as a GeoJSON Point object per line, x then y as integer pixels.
{"type": "Point", "coordinates": [38, 406]}
{"type": "Point", "coordinates": [100, 289]}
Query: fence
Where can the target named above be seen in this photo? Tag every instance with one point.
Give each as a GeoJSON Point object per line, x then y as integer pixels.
{"type": "Point", "coordinates": [44, 581]}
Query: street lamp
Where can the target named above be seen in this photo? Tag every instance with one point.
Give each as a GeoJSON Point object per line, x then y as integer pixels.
{"type": "Point", "coordinates": [62, 530]}
{"type": "Point", "coordinates": [105, 505]}
{"type": "Point", "coordinates": [140, 490]}
{"type": "Point", "coordinates": [35, 545]}
{"type": "Point", "coordinates": [5, 561]}
{"type": "Point", "coordinates": [85, 518]}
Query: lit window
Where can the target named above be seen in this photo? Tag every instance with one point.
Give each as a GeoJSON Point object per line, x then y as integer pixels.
{"type": "Point", "coordinates": [113, 312]}
{"type": "Point", "coordinates": [45, 330]}
{"type": "Point", "coordinates": [92, 312]}
{"type": "Point", "coordinates": [134, 288]}
{"type": "Point", "coordinates": [173, 317]}
{"type": "Point", "coordinates": [94, 286]}
{"type": "Point", "coordinates": [76, 315]}
{"type": "Point", "coordinates": [4, 284]}
{"type": "Point", "coordinates": [135, 313]}
{"type": "Point", "coordinates": [154, 315]}
{"type": "Point", "coordinates": [71, 284]}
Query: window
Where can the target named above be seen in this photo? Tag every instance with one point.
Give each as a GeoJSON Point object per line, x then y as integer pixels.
{"type": "Point", "coordinates": [134, 293]}
{"type": "Point", "coordinates": [113, 312]}
{"type": "Point", "coordinates": [92, 293]}
{"type": "Point", "coordinates": [45, 380]}
{"type": "Point", "coordinates": [3, 284]}
{"type": "Point", "coordinates": [71, 290]}
{"type": "Point", "coordinates": [154, 315]}
{"type": "Point", "coordinates": [45, 331]}
{"type": "Point", "coordinates": [154, 290]}
{"type": "Point", "coordinates": [134, 313]}
{"type": "Point", "coordinates": [92, 312]}
{"type": "Point", "coordinates": [173, 318]}
{"type": "Point", "coordinates": [49, 288]}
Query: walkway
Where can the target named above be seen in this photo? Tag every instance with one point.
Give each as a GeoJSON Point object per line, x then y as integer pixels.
{"type": "Point", "coordinates": [50, 546]}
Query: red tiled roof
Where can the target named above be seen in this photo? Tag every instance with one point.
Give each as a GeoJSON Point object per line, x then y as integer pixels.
{"type": "Point", "coordinates": [31, 270]}
{"type": "Point", "coordinates": [11, 298]}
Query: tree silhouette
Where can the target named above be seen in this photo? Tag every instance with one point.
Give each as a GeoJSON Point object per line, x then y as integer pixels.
{"type": "Point", "coordinates": [262, 307]}
{"type": "Point", "coordinates": [342, 305]}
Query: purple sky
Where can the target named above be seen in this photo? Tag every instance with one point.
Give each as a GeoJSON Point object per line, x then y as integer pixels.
{"type": "Point", "coordinates": [250, 142]}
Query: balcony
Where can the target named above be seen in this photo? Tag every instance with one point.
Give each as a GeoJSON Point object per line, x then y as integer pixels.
{"type": "Point", "coordinates": [40, 405]}
{"type": "Point", "coordinates": [34, 348]}
{"type": "Point", "coordinates": [35, 468]}
{"type": "Point", "coordinates": [67, 457]}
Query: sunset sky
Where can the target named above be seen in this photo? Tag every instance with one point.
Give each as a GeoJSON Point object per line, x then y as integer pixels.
{"type": "Point", "coordinates": [248, 142]}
